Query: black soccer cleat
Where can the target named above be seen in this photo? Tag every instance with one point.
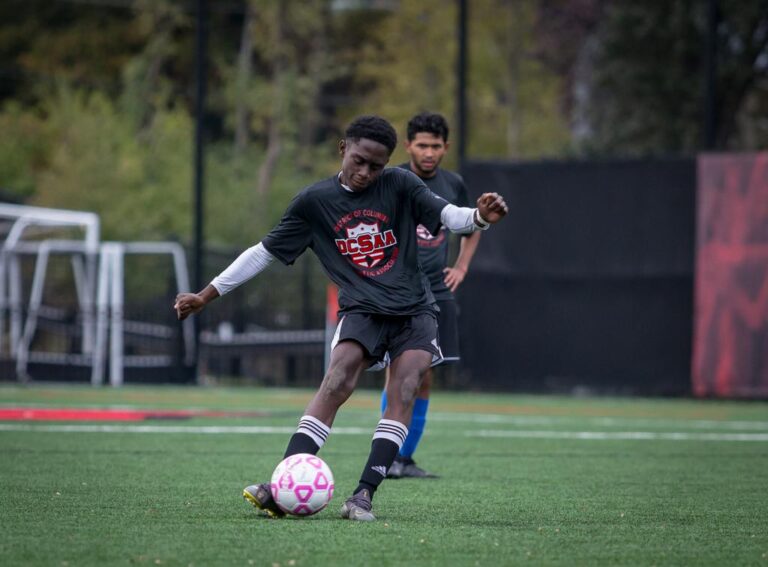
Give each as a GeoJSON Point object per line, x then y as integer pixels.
{"type": "Point", "coordinates": [358, 507]}
{"type": "Point", "coordinates": [260, 496]}
{"type": "Point", "coordinates": [405, 467]}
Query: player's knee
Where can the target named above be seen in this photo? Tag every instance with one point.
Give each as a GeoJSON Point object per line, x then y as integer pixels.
{"type": "Point", "coordinates": [338, 383]}
{"type": "Point", "coordinates": [408, 390]}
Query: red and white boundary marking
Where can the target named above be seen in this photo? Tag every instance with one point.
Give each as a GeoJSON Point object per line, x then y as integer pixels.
{"type": "Point", "coordinates": [111, 414]}
{"type": "Point", "coordinates": [31, 418]}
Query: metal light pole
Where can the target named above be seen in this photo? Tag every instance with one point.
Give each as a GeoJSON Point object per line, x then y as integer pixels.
{"type": "Point", "coordinates": [201, 48]}
{"type": "Point", "coordinates": [461, 82]}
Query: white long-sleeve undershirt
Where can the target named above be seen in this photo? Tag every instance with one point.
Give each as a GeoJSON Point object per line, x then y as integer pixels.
{"type": "Point", "coordinates": [461, 219]}
{"type": "Point", "coordinates": [246, 265]}
{"type": "Point", "coordinates": [256, 258]}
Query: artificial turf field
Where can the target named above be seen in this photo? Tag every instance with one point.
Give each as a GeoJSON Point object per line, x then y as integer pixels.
{"type": "Point", "coordinates": [525, 481]}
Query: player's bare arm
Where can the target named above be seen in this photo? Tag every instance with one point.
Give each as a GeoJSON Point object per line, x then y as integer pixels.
{"type": "Point", "coordinates": [455, 275]}
{"type": "Point", "coordinates": [187, 304]}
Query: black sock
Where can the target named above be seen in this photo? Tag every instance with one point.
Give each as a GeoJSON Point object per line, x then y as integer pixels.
{"type": "Point", "coordinates": [309, 437]}
{"type": "Point", "coordinates": [387, 440]}
{"type": "Point", "coordinates": [301, 443]}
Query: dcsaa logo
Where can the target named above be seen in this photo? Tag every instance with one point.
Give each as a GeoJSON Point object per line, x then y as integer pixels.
{"type": "Point", "coordinates": [425, 239]}
{"type": "Point", "coordinates": [365, 244]}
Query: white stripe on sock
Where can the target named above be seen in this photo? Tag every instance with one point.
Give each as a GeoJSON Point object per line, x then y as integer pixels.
{"type": "Point", "coordinates": [392, 430]}
{"type": "Point", "coordinates": [315, 428]}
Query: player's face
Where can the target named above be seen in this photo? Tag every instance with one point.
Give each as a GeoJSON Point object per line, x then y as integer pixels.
{"type": "Point", "coordinates": [426, 151]}
{"type": "Point", "coordinates": [362, 162]}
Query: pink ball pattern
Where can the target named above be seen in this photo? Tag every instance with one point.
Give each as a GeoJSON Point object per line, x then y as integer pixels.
{"type": "Point", "coordinates": [302, 484]}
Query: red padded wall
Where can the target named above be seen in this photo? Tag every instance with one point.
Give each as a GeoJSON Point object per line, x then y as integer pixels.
{"type": "Point", "coordinates": [730, 350]}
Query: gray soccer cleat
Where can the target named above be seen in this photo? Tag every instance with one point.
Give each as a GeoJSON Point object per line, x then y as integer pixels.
{"type": "Point", "coordinates": [358, 507]}
{"type": "Point", "coordinates": [260, 496]}
{"type": "Point", "coordinates": [405, 467]}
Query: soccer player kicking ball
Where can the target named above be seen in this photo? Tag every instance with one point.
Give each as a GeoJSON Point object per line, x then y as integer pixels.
{"type": "Point", "coordinates": [361, 224]}
{"type": "Point", "coordinates": [426, 144]}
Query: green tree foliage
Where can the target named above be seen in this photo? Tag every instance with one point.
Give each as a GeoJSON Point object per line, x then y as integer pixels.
{"type": "Point", "coordinates": [742, 80]}
{"type": "Point", "coordinates": [125, 153]}
{"type": "Point", "coordinates": [409, 64]}
{"type": "Point", "coordinates": [647, 88]}
{"type": "Point", "coordinates": [96, 162]}
{"type": "Point", "coordinates": [640, 106]}
{"type": "Point", "coordinates": [43, 41]}
{"type": "Point", "coordinates": [24, 148]}
{"type": "Point", "coordinates": [273, 88]}
{"type": "Point", "coordinates": [270, 99]}
{"type": "Point", "coordinates": [148, 84]}
{"type": "Point", "coordinates": [97, 97]}
{"type": "Point", "coordinates": [514, 99]}
{"type": "Point", "coordinates": [515, 109]}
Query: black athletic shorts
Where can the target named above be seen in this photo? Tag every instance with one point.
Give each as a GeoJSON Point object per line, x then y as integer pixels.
{"type": "Point", "coordinates": [448, 329]}
{"type": "Point", "coordinates": [385, 337]}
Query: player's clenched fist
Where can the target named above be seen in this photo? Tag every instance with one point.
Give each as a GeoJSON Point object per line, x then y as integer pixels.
{"type": "Point", "coordinates": [188, 304]}
{"type": "Point", "coordinates": [492, 207]}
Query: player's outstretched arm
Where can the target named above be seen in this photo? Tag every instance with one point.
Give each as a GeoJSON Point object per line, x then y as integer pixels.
{"type": "Point", "coordinates": [246, 266]}
{"type": "Point", "coordinates": [491, 207]}
{"type": "Point", "coordinates": [187, 304]}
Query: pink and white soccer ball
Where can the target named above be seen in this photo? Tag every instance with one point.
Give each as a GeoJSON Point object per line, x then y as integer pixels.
{"type": "Point", "coordinates": [302, 484]}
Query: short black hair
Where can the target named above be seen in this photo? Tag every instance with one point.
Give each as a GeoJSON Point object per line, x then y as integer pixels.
{"type": "Point", "coordinates": [372, 128]}
{"type": "Point", "coordinates": [429, 122]}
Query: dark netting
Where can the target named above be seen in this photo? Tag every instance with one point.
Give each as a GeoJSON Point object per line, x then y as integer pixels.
{"type": "Point", "coordinates": [271, 330]}
{"type": "Point", "coordinates": [587, 284]}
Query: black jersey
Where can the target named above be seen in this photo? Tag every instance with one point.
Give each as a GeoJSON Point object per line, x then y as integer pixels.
{"type": "Point", "coordinates": [433, 248]}
{"type": "Point", "coordinates": [366, 241]}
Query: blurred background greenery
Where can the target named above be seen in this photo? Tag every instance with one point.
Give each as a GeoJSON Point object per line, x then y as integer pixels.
{"type": "Point", "coordinates": [97, 96]}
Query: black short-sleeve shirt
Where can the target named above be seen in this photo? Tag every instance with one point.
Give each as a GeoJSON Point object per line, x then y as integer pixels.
{"type": "Point", "coordinates": [433, 248]}
{"type": "Point", "coordinates": [366, 241]}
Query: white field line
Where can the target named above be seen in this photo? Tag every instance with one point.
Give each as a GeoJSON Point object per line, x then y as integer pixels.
{"type": "Point", "coordinates": [203, 430]}
{"type": "Point", "coordinates": [520, 420]}
{"type": "Point", "coordinates": [261, 430]}
{"type": "Point", "coordinates": [621, 435]}
{"type": "Point", "coordinates": [527, 420]}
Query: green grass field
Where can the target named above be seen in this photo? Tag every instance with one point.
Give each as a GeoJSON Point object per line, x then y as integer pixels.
{"type": "Point", "coordinates": [525, 481]}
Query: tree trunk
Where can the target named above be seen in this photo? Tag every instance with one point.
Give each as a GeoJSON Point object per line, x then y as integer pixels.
{"type": "Point", "coordinates": [311, 117]}
{"type": "Point", "coordinates": [267, 168]}
{"type": "Point", "coordinates": [513, 46]}
{"type": "Point", "coordinates": [274, 134]}
{"type": "Point", "coordinates": [242, 115]}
